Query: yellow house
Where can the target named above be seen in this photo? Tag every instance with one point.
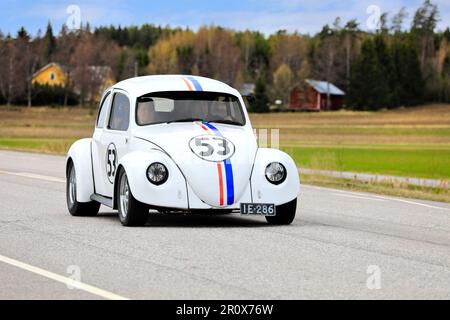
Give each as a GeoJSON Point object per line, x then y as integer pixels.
{"type": "Point", "coordinates": [52, 74]}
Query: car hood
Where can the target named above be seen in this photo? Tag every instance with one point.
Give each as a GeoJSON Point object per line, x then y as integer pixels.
{"type": "Point", "coordinates": [216, 159]}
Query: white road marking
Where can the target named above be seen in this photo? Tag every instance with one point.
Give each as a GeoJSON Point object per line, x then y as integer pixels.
{"type": "Point", "coordinates": [53, 276]}
{"type": "Point", "coordinates": [33, 176]}
{"type": "Point", "coordinates": [356, 197]}
{"type": "Point", "coordinates": [378, 197]}
{"type": "Point", "coordinates": [413, 202]}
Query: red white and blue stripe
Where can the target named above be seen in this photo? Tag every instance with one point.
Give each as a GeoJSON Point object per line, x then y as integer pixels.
{"type": "Point", "coordinates": [224, 170]}
{"type": "Point", "coordinates": [192, 83]}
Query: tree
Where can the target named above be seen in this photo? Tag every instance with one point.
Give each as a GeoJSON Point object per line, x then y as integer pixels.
{"type": "Point", "coordinates": [349, 32]}
{"type": "Point", "coordinates": [13, 67]}
{"type": "Point", "coordinates": [255, 52]}
{"type": "Point", "coordinates": [283, 80]}
{"type": "Point", "coordinates": [91, 57]}
{"type": "Point", "coordinates": [383, 24]}
{"type": "Point", "coordinates": [305, 71]}
{"type": "Point", "coordinates": [397, 20]}
{"type": "Point", "coordinates": [423, 25]}
{"type": "Point", "coordinates": [371, 77]}
{"type": "Point", "coordinates": [49, 43]}
{"type": "Point", "coordinates": [406, 79]}
{"type": "Point", "coordinates": [246, 43]}
{"type": "Point", "coordinates": [7, 51]}
{"type": "Point", "coordinates": [217, 54]}
{"type": "Point", "coordinates": [67, 43]}
{"type": "Point", "coordinates": [133, 62]}
{"type": "Point", "coordinates": [172, 54]}
{"type": "Point", "coordinates": [289, 49]}
{"type": "Point", "coordinates": [441, 90]}
{"type": "Point", "coordinates": [261, 103]}
{"type": "Point", "coordinates": [328, 62]}
{"type": "Point", "coordinates": [29, 61]}
{"type": "Point", "coordinates": [390, 67]}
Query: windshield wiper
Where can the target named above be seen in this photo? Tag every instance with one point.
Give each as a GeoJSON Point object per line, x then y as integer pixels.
{"type": "Point", "coordinates": [185, 120]}
{"type": "Point", "coordinates": [224, 121]}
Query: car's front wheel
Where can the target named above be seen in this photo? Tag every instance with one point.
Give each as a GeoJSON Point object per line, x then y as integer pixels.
{"type": "Point", "coordinates": [79, 209]}
{"type": "Point", "coordinates": [131, 211]}
{"type": "Point", "coordinates": [285, 214]}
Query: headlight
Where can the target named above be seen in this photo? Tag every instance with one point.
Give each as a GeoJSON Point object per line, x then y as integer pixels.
{"type": "Point", "coordinates": [276, 173]}
{"type": "Point", "coordinates": [157, 173]}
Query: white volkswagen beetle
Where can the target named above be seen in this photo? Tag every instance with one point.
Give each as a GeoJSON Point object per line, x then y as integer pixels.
{"type": "Point", "coordinates": [178, 144]}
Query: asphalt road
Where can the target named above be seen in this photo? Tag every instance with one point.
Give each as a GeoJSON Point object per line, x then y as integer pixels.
{"type": "Point", "coordinates": [342, 245]}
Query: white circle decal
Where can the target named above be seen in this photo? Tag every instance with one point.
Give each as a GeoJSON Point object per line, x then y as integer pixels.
{"type": "Point", "coordinates": [212, 148]}
{"type": "Point", "coordinates": [111, 162]}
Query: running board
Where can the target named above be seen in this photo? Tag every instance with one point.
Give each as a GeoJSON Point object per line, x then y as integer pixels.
{"type": "Point", "coordinates": [103, 200]}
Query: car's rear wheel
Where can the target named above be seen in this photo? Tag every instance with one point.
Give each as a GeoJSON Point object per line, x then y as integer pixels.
{"type": "Point", "coordinates": [131, 211]}
{"type": "Point", "coordinates": [285, 214]}
{"type": "Point", "coordinates": [79, 209]}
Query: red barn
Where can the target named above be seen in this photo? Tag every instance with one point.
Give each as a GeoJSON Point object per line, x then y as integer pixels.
{"type": "Point", "coordinates": [312, 95]}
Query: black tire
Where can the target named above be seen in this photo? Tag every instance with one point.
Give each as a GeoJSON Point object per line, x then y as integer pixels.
{"type": "Point", "coordinates": [285, 214]}
{"type": "Point", "coordinates": [132, 213]}
{"type": "Point", "coordinates": [78, 209]}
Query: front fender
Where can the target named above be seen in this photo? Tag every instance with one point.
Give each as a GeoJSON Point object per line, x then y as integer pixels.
{"type": "Point", "coordinates": [265, 192]}
{"type": "Point", "coordinates": [172, 194]}
{"type": "Point", "coordinates": [80, 154]}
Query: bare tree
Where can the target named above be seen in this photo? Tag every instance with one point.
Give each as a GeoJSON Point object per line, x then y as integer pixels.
{"type": "Point", "coordinates": [66, 44]}
{"type": "Point", "coordinates": [328, 62]}
{"type": "Point", "coordinates": [290, 49]}
{"type": "Point", "coordinates": [30, 57]}
{"type": "Point", "coordinates": [88, 62]}
{"type": "Point", "coordinates": [397, 20]}
{"type": "Point", "coordinates": [283, 80]}
{"type": "Point", "coordinates": [423, 25]}
{"type": "Point", "coordinates": [349, 32]}
{"type": "Point", "coordinates": [12, 75]}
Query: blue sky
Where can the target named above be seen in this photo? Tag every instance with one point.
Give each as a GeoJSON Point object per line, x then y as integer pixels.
{"type": "Point", "coordinates": [268, 16]}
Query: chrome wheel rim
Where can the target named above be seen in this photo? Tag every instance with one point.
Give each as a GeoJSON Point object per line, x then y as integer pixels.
{"type": "Point", "coordinates": [124, 193]}
{"type": "Point", "coordinates": [72, 186]}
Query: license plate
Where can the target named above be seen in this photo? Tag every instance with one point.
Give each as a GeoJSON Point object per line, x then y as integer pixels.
{"type": "Point", "coordinates": [262, 209]}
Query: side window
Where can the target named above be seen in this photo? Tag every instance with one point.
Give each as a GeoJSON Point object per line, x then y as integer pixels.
{"type": "Point", "coordinates": [103, 110]}
{"type": "Point", "coordinates": [120, 113]}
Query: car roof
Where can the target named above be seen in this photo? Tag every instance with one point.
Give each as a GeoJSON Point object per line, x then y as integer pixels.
{"type": "Point", "coordinates": [140, 86]}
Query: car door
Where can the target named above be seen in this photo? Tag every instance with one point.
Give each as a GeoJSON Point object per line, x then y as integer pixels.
{"type": "Point", "coordinates": [98, 156]}
{"type": "Point", "coordinates": [114, 140]}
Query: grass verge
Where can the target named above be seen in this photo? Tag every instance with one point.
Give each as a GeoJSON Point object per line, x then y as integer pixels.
{"type": "Point", "coordinates": [50, 146]}
{"type": "Point", "coordinates": [390, 189]}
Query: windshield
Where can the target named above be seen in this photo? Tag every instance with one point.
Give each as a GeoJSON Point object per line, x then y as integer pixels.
{"type": "Point", "coordinates": [186, 106]}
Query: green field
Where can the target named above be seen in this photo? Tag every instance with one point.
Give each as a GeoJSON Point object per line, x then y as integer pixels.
{"type": "Point", "coordinates": [56, 146]}
{"type": "Point", "coordinates": [407, 161]}
{"type": "Point", "coordinates": [413, 142]}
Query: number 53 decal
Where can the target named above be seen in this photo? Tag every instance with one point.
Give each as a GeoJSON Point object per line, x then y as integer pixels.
{"type": "Point", "coordinates": [212, 148]}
